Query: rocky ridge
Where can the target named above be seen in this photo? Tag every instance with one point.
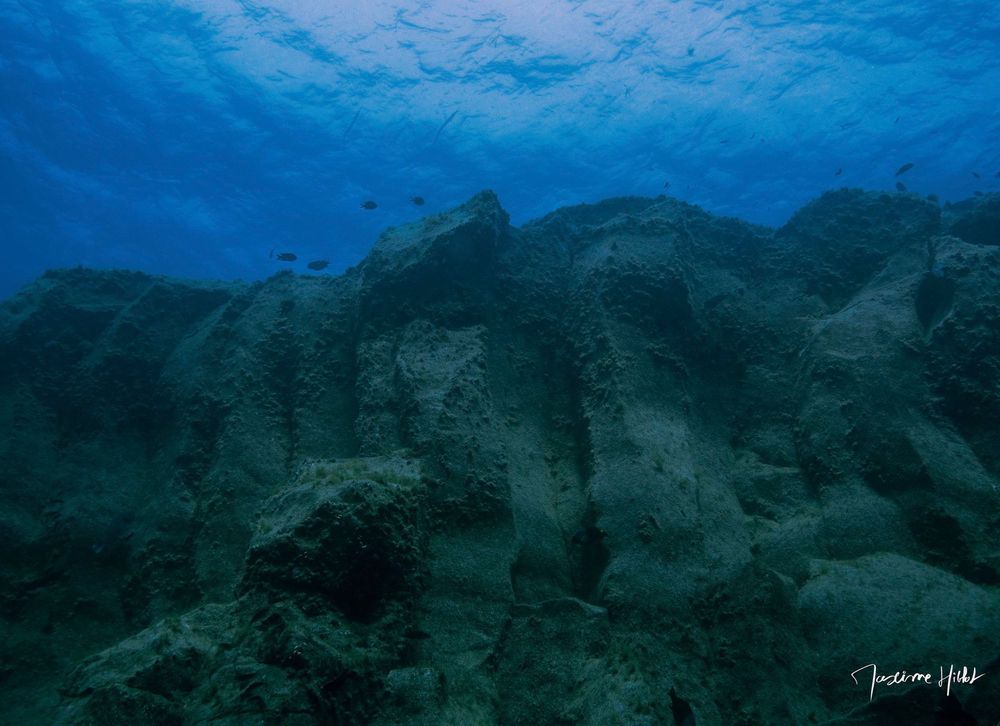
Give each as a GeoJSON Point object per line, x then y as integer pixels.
{"type": "Point", "coordinates": [629, 463]}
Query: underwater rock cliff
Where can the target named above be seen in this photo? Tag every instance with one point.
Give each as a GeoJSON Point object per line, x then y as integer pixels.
{"type": "Point", "coordinates": [630, 463]}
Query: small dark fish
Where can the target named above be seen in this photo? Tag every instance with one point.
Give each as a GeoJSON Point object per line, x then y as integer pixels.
{"type": "Point", "coordinates": [900, 187]}
{"type": "Point", "coordinates": [318, 264]}
{"type": "Point", "coordinates": [368, 204]}
{"type": "Point", "coordinates": [839, 171]}
{"type": "Point", "coordinates": [287, 256]}
{"type": "Point", "coordinates": [666, 185]}
{"type": "Point", "coordinates": [419, 201]}
{"type": "Point", "coordinates": [903, 169]}
{"type": "Point", "coordinates": [976, 174]}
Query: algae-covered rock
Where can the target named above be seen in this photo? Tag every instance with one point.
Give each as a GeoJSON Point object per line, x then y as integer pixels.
{"type": "Point", "coordinates": [347, 536]}
{"type": "Point", "coordinates": [976, 221]}
{"type": "Point", "coordinates": [630, 463]}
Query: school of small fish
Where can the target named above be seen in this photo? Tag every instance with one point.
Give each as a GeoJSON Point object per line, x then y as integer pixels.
{"type": "Point", "coordinates": [371, 204]}
{"type": "Point", "coordinates": [318, 265]}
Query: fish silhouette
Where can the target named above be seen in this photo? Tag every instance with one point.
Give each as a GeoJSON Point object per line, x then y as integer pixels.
{"type": "Point", "coordinates": [287, 256]}
{"type": "Point", "coordinates": [903, 169]}
{"type": "Point", "coordinates": [368, 204]}
{"type": "Point", "coordinates": [900, 187]}
{"type": "Point", "coordinates": [318, 264]}
{"type": "Point", "coordinates": [419, 201]}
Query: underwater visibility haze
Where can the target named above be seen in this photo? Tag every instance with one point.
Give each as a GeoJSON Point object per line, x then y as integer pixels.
{"type": "Point", "coordinates": [458, 362]}
{"type": "Point", "coordinates": [192, 138]}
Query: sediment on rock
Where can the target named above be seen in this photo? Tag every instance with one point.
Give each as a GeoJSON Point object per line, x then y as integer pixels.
{"type": "Point", "coordinates": [613, 466]}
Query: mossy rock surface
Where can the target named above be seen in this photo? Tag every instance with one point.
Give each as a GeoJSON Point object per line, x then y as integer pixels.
{"type": "Point", "coordinates": [629, 463]}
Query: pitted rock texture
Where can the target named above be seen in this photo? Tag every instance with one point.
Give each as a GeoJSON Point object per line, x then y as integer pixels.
{"type": "Point", "coordinates": [629, 463]}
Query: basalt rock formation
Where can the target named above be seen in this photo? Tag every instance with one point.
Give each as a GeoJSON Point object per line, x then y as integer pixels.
{"type": "Point", "coordinates": [627, 464]}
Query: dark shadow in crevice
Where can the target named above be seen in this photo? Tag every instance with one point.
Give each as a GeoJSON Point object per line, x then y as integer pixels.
{"type": "Point", "coordinates": [934, 300]}
{"type": "Point", "coordinates": [589, 557]}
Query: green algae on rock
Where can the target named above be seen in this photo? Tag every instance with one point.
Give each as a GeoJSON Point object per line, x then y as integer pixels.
{"type": "Point", "coordinates": [624, 462]}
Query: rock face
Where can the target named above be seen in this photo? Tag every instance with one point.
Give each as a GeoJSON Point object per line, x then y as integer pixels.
{"type": "Point", "coordinates": [630, 463]}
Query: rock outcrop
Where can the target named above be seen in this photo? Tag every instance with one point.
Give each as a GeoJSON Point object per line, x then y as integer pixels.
{"type": "Point", "coordinates": [629, 463]}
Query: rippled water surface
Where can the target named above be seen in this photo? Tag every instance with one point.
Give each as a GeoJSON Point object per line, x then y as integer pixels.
{"type": "Point", "coordinates": [195, 138]}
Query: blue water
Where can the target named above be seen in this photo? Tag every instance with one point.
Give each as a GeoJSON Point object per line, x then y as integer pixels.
{"type": "Point", "coordinates": [192, 138]}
